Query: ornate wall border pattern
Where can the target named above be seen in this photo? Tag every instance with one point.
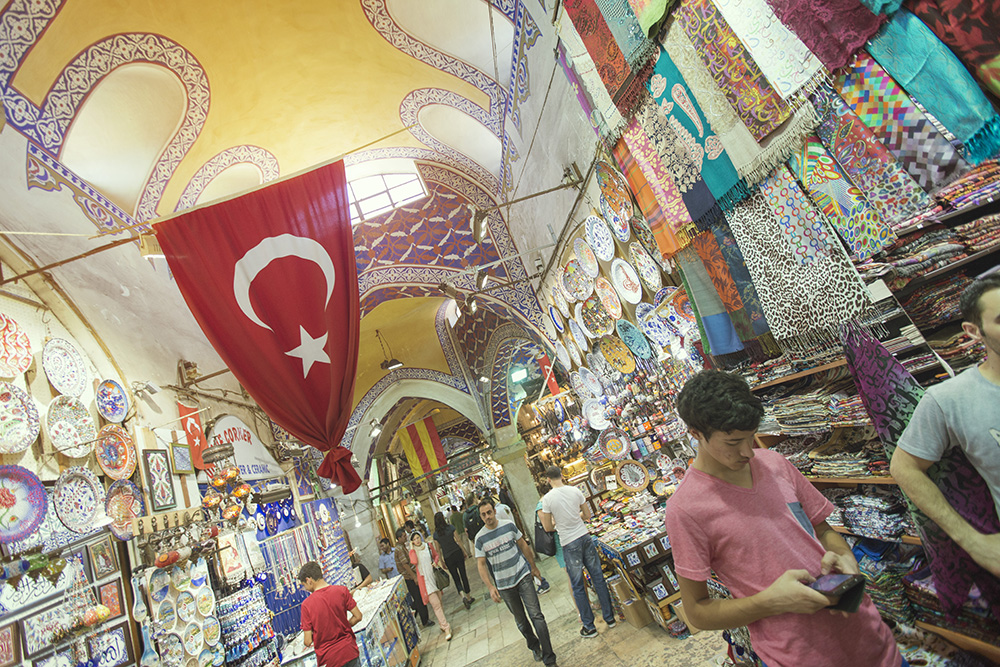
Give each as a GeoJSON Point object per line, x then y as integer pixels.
{"type": "Point", "coordinates": [498, 371]}
{"type": "Point", "coordinates": [21, 24]}
{"type": "Point", "coordinates": [261, 158]}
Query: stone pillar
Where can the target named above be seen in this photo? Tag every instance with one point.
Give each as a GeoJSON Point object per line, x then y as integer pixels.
{"type": "Point", "coordinates": [357, 509]}
{"type": "Point", "coordinates": [427, 507]}
{"type": "Point", "coordinates": [511, 455]}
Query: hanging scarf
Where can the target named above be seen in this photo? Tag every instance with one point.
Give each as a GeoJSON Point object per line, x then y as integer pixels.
{"type": "Point", "coordinates": [930, 72]}
{"type": "Point", "coordinates": [886, 7]}
{"type": "Point", "coordinates": [802, 224]}
{"type": "Point", "coordinates": [869, 163]}
{"type": "Point", "coordinates": [843, 203]}
{"type": "Point", "coordinates": [574, 83]}
{"type": "Point", "coordinates": [970, 28]}
{"type": "Point", "coordinates": [651, 14]}
{"type": "Point", "coordinates": [903, 128]}
{"type": "Point", "coordinates": [890, 395]}
{"type": "Point", "coordinates": [757, 104]}
{"type": "Point", "coordinates": [797, 298]}
{"type": "Point", "coordinates": [666, 241]}
{"type": "Point", "coordinates": [741, 277]}
{"type": "Point", "coordinates": [712, 314]}
{"type": "Point", "coordinates": [832, 29]}
{"type": "Point", "coordinates": [629, 35]}
{"type": "Point", "coordinates": [704, 149]}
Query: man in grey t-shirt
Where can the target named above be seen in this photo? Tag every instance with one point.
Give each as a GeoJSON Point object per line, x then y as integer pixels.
{"type": "Point", "coordinates": [960, 412]}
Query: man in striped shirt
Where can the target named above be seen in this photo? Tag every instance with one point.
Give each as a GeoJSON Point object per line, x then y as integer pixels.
{"type": "Point", "coordinates": [512, 562]}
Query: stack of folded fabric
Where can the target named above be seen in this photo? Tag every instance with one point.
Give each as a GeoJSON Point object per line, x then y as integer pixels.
{"type": "Point", "coordinates": [913, 255]}
{"type": "Point", "coordinates": [980, 234]}
{"type": "Point", "coordinates": [875, 512]}
{"type": "Point", "coordinates": [920, 362]}
{"type": "Point", "coordinates": [834, 494]}
{"type": "Point", "coordinates": [842, 456]}
{"type": "Point", "coordinates": [960, 350]}
{"type": "Point", "coordinates": [848, 411]}
{"type": "Point", "coordinates": [974, 619]}
{"type": "Point", "coordinates": [796, 449]}
{"type": "Point", "coordinates": [976, 187]}
{"type": "Point", "coordinates": [937, 302]}
{"type": "Point", "coordinates": [884, 565]}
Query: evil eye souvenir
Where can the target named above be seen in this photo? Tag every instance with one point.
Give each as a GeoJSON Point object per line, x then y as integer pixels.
{"type": "Point", "coordinates": [271, 521]}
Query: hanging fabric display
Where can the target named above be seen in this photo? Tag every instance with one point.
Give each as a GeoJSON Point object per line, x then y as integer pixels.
{"type": "Point", "coordinates": [651, 14]}
{"type": "Point", "coordinates": [666, 241]}
{"type": "Point", "coordinates": [869, 164]}
{"type": "Point", "coordinates": [890, 395]}
{"type": "Point", "coordinates": [832, 29]}
{"type": "Point", "coordinates": [744, 285]}
{"type": "Point", "coordinates": [718, 329]}
{"type": "Point", "coordinates": [574, 83]}
{"type": "Point", "coordinates": [625, 28]}
{"type": "Point", "coordinates": [601, 108]}
{"type": "Point", "coordinates": [903, 128]}
{"type": "Point", "coordinates": [801, 223]}
{"type": "Point", "coordinates": [756, 102]}
{"type": "Point", "coordinates": [691, 128]}
{"type": "Point", "coordinates": [886, 7]}
{"type": "Point", "coordinates": [843, 203]}
{"type": "Point", "coordinates": [934, 77]}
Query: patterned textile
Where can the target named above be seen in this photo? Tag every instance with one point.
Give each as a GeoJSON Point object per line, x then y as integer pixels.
{"type": "Point", "coordinates": [704, 149]}
{"type": "Point", "coordinates": [603, 112]}
{"type": "Point", "coordinates": [971, 29]}
{"type": "Point", "coordinates": [904, 129]}
{"type": "Point", "coordinates": [718, 326]}
{"type": "Point", "coordinates": [650, 14]}
{"type": "Point", "coordinates": [574, 83]}
{"type": "Point", "coordinates": [890, 395]}
{"type": "Point", "coordinates": [869, 164]}
{"type": "Point", "coordinates": [926, 69]}
{"type": "Point", "coordinates": [628, 34]}
{"type": "Point", "coordinates": [757, 104]}
{"type": "Point", "coordinates": [741, 277]}
{"type": "Point", "coordinates": [832, 29]}
{"type": "Point", "coordinates": [666, 241]}
{"type": "Point", "coordinates": [802, 224]}
{"type": "Point", "coordinates": [843, 203]}
{"type": "Point", "coordinates": [886, 7]}
{"type": "Point", "coordinates": [797, 298]}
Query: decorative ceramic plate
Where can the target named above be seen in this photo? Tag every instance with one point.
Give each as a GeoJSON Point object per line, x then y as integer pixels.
{"type": "Point", "coordinates": [185, 606]}
{"type": "Point", "coordinates": [171, 648]}
{"type": "Point", "coordinates": [559, 410]}
{"type": "Point", "coordinates": [559, 300]}
{"type": "Point", "coordinates": [659, 487]}
{"type": "Point", "coordinates": [124, 503]}
{"type": "Point", "coordinates": [579, 335]}
{"type": "Point", "coordinates": [649, 272]}
{"type": "Point", "coordinates": [664, 294]}
{"type": "Point", "coordinates": [64, 367]}
{"type": "Point", "coordinates": [199, 575]}
{"type": "Point", "coordinates": [614, 188]}
{"type": "Point", "coordinates": [617, 354]}
{"type": "Point", "coordinates": [593, 410]}
{"type": "Point", "coordinates": [574, 353]}
{"type": "Point", "coordinates": [577, 282]}
{"type": "Point", "coordinates": [180, 577]}
{"type": "Point", "coordinates": [212, 630]}
{"type": "Point", "coordinates": [115, 452]}
{"type": "Point", "coordinates": [632, 475]}
{"type": "Point", "coordinates": [600, 239]}
{"type": "Point", "coordinates": [15, 348]}
{"type": "Point", "coordinates": [680, 313]}
{"type": "Point", "coordinates": [556, 319]}
{"type": "Point", "coordinates": [206, 658]}
{"type": "Point", "coordinates": [626, 281]}
{"type": "Point", "coordinates": [23, 503]}
{"type": "Point", "coordinates": [581, 389]}
{"type": "Point", "coordinates": [112, 401]}
{"type": "Point", "coordinates": [159, 585]}
{"type": "Point", "coordinates": [632, 337]}
{"type": "Point", "coordinates": [220, 655]}
{"type": "Point", "coordinates": [614, 443]}
{"type": "Point", "coordinates": [562, 354]}
{"type": "Point", "coordinates": [70, 426]}
{"type": "Point", "coordinates": [79, 499]}
{"type": "Point", "coordinates": [616, 220]}
{"type": "Point", "coordinates": [194, 639]}
{"type": "Point", "coordinates": [592, 381]}
{"type": "Point", "coordinates": [19, 422]}
{"type": "Point", "coordinates": [205, 601]}
{"type": "Point", "coordinates": [609, 298]}
{"type": "Point", "coordinates": [585, 255]}
{"type": "Point", "coordinates": [652, 325]}
{"type": "Point", "coordinates": [595, 318]}
{"type": "Point", "coordinates": [166, 614]}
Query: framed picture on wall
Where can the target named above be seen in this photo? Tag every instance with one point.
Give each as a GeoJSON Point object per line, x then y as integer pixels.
{"type": "Point", "coordinates": [110, 595]}
{"type": "Point", "coordinates": [10, 645]}
{"type": "Point", "coordinates": [180, 459]}
{"type": "Point", "coordinates": [160, 478]}
{"type": "Point", "coordinates": [40, 629]}
{"type": "Point", "coordinates": [112, 647]}
{"type": "Point", "coordinates": [103, 558]}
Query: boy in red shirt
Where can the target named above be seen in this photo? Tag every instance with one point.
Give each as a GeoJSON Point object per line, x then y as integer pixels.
{"type": "Point", "coordinates": [748, 515]}
{"type": "Point", "coordinates": [324, 614]}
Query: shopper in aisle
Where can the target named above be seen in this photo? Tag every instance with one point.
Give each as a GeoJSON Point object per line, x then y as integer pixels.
{"type": "Point", "coordinates": [454, 555]}
{"type": "Point", "coordinates": [425, 557]}
{"type": "Point", "coordinates": [960, 412]}
{"type": "Point", "coordinates": [325, 621]}
{"type": "Point", "coordinates": [750, 517]}
{"type": "Point", "coordinates": [457, 520]}
{"type": "Point", "coordinates": [507, 567]}
{"type": "Point", "coordinates": [386, 559]}
{"type": "Point", "coordinates": [564, 510]}
{"type": "Point", "coordinates": [473, 522]}
{"type": "Point", "coordinates": [362, 575]}
{"type": "Point", "coordinates": [410, 577]}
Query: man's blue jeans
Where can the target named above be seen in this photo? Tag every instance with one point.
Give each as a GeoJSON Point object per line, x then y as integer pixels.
{"type": "Point", "coordinates": [522, 600]}
{"type": "Point", "coordinates": [579, 554]}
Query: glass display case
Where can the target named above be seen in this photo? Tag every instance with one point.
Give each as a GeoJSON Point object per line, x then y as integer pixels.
{"type": "Point", "coordinates": [387, 634]}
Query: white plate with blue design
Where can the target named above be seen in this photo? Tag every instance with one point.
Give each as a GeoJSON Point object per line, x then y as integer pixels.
{"type": "Point", "coordinates": [600, 239]}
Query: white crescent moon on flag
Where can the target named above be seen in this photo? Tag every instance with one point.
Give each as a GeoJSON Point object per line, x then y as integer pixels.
{"type": "Point", "coordinates": [276, 247]}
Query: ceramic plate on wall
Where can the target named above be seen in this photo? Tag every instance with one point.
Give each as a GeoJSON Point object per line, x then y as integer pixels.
{"type": "Point", "coordinates": [592, 382]}
{"type": "Point", "coordinates": [577, 282]}
{"type": "Point", "coordinates": [574, 353]}
{"type": "Point", "coordinates": [649, 272]}
{"type": "Point", "coordinates": [15, 348]}
{"type": "Point", "coordinates": [585, 255]}
{"type": "Point", "coordinates": [112, 401]}
{"type": "Point", "coordinates": [664, 294]}
{"type": "Point", "coordinates": [556, 319]}
{"type": "Point", "coordinates": [616, 221]}
{"type": "Point", "coordinates": [609, 297]}
{"type": "Point", "coordinates": [70, 426]}
{"type": "Point", "coordinates": [115, 452]}
{"type": "Point", "coordinates": [600, 239]}
{"type": "Point", "coordinates": [595, 318]}
{"type": "Point", "coordinates": [124, 503]}
{"type": "Point", "coordinates": [582, 390]}
{"type": "Point", "coordinates": [79, 499]}
{"type": "Point", "coordinates": [579, 335]}
{"type": "Point", "coordinates": [626, 281]}
{"type": "Point", "coordinates": [642, 231]}
{"type": "Point", "coordinates": [614, 444]}
{"type": "Point", "coordinates": [593, 410]}
{"type": "Point", "coordinates": [615, 189]}
{"type": "Point", "coordinates": [559, 300]}
{"type": "Point", "coordinates": [632, 337]}
{"type": "Point", "coordinates": [617, 354]}
{"type": "Point", "coordinates": [562, 355]}
{"type": "Point", "coordinates": [64, 367]}
{"type": "Point", "coordinates": [23, 503]}
{"type": "Point", "coordinates": [652, 325]}
{"type": "Point", "coordinates": [19, 421]}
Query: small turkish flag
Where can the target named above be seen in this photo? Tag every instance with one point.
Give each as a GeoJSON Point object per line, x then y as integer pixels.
{"type": "Point", "coordinates": [195, 436]}
{"type": "Point", "coordinates": [550, 377]}
{"type": "Point", "coordinates": [270, 277]}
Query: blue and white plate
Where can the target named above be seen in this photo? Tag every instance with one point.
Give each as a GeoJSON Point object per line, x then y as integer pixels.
{"type": "Point", "coordinates": [593, 411]}
{"type": "Point", "coordinates": [632, 337]}
{"type": "Point", "coordinates": [579, 386]}
{"type": "Point", "coordinates": [579, 335]}
{"type": "Point", "coordinates": [616, 220]}
{"type": "Point", "coordinates": [652, 325]}
{"type": "Point", "coordinates": [592, 381]}
{"type": "Point", "coordinates": [574, 353]}
{"type": "Point", "coordinates": [562, 355]}
{"type": "Point", "coordinates": [559, 410]}
{"type": "Point", "coordinates": [559, 300]}
{"type": "Point", "coordinates": [600, 239]}
{"type": "Point", "coordinates": [556, 319]}
{"type": "Point", "coordinates": [112, 401]}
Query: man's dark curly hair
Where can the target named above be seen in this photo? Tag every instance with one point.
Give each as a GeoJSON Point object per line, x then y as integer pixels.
{"type": "Point", "coordinates": [717, 401]}
{"type": "Point", "coordinates": [972, 309]}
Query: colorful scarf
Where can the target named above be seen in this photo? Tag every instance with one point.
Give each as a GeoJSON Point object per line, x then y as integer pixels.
{"type": "Point", "coordinates": [802, 224]}
{"type": "Point", "coordinates": [602, 110]}
{"type": "Point", "coordinates": [843, 203]}
{"type": "Point", "coordinates": [903, 128]}
{"type": "Point", "coordinates": [720, 334]}
{"type": "Point", "coordinates": [869, 163]}
{"type": "Point", "coordinates": [651, 14]}
{"type": "Point", "coordinates": [886, 7]}
{"type": "Point", "coordinates": [748, 293]}
{"type": "Point", "coordinates": [666, 241]}
{"type": "Point", "coordinates": [629, 35]}
{"type": "Point", "coordinates": [832, 29]}
{"type": "Point", "coordinates": [797, 298]}
{"type": "Point", "coordinates": [704, 149]}
{"type": "Point", "coordinates": [890, 395]}
{"type": "Point", "coordinates": [574, 83]}
{"type": "Point", "coordinates": [926, 69]}
{"type": "Point", "coordinates": [757, 104]}
{"type": "Point", "coordinates": [971, 29]}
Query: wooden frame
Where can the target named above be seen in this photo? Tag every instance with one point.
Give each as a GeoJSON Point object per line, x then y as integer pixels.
{"type": "Point", "coordinates": [112, 647]}
{"type": "Point", "coordinates": [103, 559]}
{"type": "Point", "coordinates": [110, 595]}
{"type": "Point", "coordinates": [10, 645]}
{"type": "Point", "coordinates": [43, 622]}
{"type": "Point", "coordinates": [161, 487]}
{"type": "Point", "coordinates": [183, 465]}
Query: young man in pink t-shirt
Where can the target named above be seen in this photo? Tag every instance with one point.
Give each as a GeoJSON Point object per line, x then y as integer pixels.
{"type": "Point", "coordinates": [751, 518]}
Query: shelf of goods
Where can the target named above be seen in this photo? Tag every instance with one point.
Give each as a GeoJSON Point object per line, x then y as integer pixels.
{"type": "Point", "coordinates": [387, 635]}
{"type": "Point", "coordinates": [968, 643]}
{"type": "Point", "coordinates": [246, 629]}
{"type": "Point", "coordinates": [905, 539]}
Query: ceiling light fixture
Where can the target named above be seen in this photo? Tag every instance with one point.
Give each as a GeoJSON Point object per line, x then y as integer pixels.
{"type": "Point", "coordinates": [470, 301]}
{"type": "Point", "coordinates": [482, 279]}
{"type": "Point", "coordinates": [483, 379]}
{"type": "Point", "coordinates": [389, 362]}
{"type": "Point", "coordinates": [376, 428]}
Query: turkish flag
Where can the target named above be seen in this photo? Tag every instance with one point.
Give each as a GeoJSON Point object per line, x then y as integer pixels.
{"type": "Point", "coordinates": [546, 367]}
{"type": "Point", "coordinates": [195, 436]}
{"type": "Point", "coordinates": [270, 278]}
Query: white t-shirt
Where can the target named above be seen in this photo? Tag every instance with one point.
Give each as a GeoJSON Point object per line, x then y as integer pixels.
{"type": "Point", "coordinates": [503, 513]}
{"type": "Point", "coordinates": [563, 503]}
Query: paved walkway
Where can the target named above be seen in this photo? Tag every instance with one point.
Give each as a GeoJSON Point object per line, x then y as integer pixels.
{"type": "Point", "coordinates": [486, 635]}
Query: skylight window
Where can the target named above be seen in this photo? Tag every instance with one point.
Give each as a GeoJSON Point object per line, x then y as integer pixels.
{"type": "Point", "coordinates": [372, 196]}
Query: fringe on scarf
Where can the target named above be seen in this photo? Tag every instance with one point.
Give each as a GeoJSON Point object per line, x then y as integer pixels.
{"type": "Point", "coordinates": [985, 143]}
{"type": "Point", "coordinates": [732, 359]}
{"type": "Point", "coordinates": [633, 93]}
{"type": "Point", "coordinates": [800, 97]}
{"type": "Point", "coordinates": [736, 194]}
{"type": "Point", "coordinates": [828, 339]}
{"type": "Point", "coordinates": [802, 123]}
{"type": "Point", "coordinates": [711, 218]}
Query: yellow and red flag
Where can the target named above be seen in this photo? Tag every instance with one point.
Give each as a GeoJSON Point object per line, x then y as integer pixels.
{"type": "Point", "coordinates": [422, 446]}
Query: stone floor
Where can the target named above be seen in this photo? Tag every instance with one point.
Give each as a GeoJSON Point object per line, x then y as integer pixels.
{"type": "Point", "coordinates": [486, 635]}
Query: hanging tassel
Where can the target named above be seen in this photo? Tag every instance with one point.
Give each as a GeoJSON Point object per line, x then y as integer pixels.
{"type": "Point", "coordinates": [736, 194]}
{"type": "Point", "coordinates": [985, 143]}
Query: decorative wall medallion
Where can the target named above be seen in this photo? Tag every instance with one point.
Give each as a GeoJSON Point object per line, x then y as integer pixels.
{"type": "Point", "coordinates": [592, 382]}
{"type": "Point", "coordinates": [616, 221]}
{"type": "Point", "coordinates": [626, 281]}
{"type": "Point", "coordinates": [577, 282]}
{"type": "Point", "coordinates": [585, 255]}
{"type": "Point", "coordinates": [70, 426]}
{"type": "Point", "coordinates": [614, 444]}
{"type": "Point", "coordinates": [606, 292]}
{"type": "Point", "coordinates": [15, 348]}
{"type": "Point", "coordinates": [64, 367]}
{"type": "Point", "coordinates": [617, 354]}
{"type": "Point", "coordinates": [124, 503]}
{"type": "Point", "coordinates": [19, 421]}
{"type": "Point", "coordinates": [23, 503]}
{"type": "Point", "coordinates": [112, 401]}
{"type": "Point", "coordinates": [615, 189]}
{"type": "Point", "coordinates": [115, 452]}
{"type": "Point", "coordinates": [579, 336]}
{"type": "Point", "coordinates": [556, 319]}
{"type": "Point", "coordinates": [559, 300]}
{"type": "Point", "coordinates": [632, 337]}
{"type": "Point", "coordinates": [595, 317]}
{"type": "Point", "coordinates": [600, 239]}
{"type": "Point", "coordinates": [79, 499]}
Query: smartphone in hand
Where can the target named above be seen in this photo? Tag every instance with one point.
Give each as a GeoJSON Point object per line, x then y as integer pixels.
{"type": "Point", "coordinates": [844, 590]}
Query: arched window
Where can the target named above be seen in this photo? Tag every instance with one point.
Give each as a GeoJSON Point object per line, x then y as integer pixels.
{"type": "Point", "coordinates": [374, 195]}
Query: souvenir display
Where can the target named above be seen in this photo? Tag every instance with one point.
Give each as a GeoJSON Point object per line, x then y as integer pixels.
{"type": "Point", "coordinates": [585, 255]}
{"type": "Point", "coordinates": [79, 499]}
{"type": "Point", "coordinates": [166, 614]}
{"type": "Point", "coordinates": [649, 272]}
{"type": "Point", "coordinates": [205, 601]}
{"type": "Point", "coordinates": [632, 337]}
{"type": "Point", "coordinates": [180, 577]}
{"type": "Point", "coordinates": [70, 426]}
{"type": "Point", "coordinates": [645, 236]}
{"type": "Point", "coordinates": [556, 319]}
{"type": "Point", "coordinates": [559, 300]}
{"type": "Point", "coordinates": [659, 487]}
{"type": "Point", "coordinates": [562, 354]}
{"type": "Point", "coordinates": [112, 401]}
{"type": "Point", "coordinates": [186, 606]}
{"type": "Point", "coordinates": [592, 382]}
{"type": "Point", "coordinates": [609, 297]}
{"type": "Point", "coordinates": [615, 190]}
{"type": "Point", "coordinates": [123, 503]}
{"type": "Point", "coordinates": [193, 639]}
{"type": "Point", "coordinates": [579, 335]}
{"type": "Point", "coordinates": [595, 318]}
{"type": "Point", "coordinates": [600, 239]}
{"type": "Point", "coordinates": [593, 412]}
{"type": "Point", "coordinates": [211, 630]}
{"type": "Point", "coordinates": [171, 647]}
{"type": "Point", "coordinates": [159, 585]}
{"type": "Point", "coordinates": [15, 348]}
{"type": "Point", "coordinates": [575, 280]}
{"type": "Point", "coordinates": [19, 422]}
{"type": "Point", "coordinates": [199, 575]}
{"type": "Point", "coordinates": [559, 410]}
{"type": "Point", "coordinates": [616, 220]}
{"type": "Point", "coordinates": [64, 367]}
{"type": "Point", "coordinates": [574, 352]}
{"type": "Point", "coordinates": [652, 325]}
{"type": "Point", "coordinates": [206, 658]}
{"type": "Point", "coordinates": [617, 354]}
{"type": "Point", "coordinates": [581, 389]}
{"type": "Point", "coordinates": [632, 475]}
{"type": "Point", "coordinates": [115, 452]}
{"type": "Point", "coordinates": [24, 503]}
{"type": "Point", "coordinates": [614, 444]}
{"type": "Point", "coordinates": [626, 281]}
{"type": "Point", "coordinates": [664, 294]}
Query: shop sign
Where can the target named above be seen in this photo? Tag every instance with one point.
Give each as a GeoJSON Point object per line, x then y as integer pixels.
{"type": "Point", "coordinates": [252, 457]}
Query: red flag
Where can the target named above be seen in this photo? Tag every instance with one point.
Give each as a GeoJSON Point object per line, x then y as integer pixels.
{"type": "Point", "coordinates": [195, 436]}
{"type": "Point", "coordinates": [546, 365]}
{"type": "Point", "coordinates": [271, 279]}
